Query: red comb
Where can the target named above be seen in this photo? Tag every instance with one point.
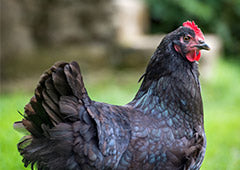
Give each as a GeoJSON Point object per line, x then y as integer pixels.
{"type": "Point", "coordinates": [195, 28]}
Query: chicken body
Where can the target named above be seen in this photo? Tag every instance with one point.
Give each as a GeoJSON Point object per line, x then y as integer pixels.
{"type": "Point", "coordinates": [162, 128]}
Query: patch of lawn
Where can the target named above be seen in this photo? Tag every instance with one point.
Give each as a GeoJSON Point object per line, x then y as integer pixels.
{"type": "Point", "coordinates": [221, 98]}
{"type": "Point", "coordinates": [9, 105]}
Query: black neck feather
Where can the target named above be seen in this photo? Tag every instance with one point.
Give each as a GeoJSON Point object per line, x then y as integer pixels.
{"type": "Point", "coordinates": [170, 82]}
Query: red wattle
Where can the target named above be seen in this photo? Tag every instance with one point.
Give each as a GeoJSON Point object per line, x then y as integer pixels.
{"type": "Point", "coordinates": [192, 56]}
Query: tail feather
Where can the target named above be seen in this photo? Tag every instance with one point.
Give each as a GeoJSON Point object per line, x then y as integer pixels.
{"type": "Point", "coordinates": [31, 128]}
{"type": "Point", "coordinates": [60, 83]}
{"type": "Point", "coordinates": [36, 113]}
{"type": "Point", "coordinates": [58, 122]}
{"type": "Point", "coordinates": [61, 80]}
{"type": "Point", "coordinates": [68, 130]}
{"type": "Point", "coordinates": [69, 107]}
{"type": "Point", "coordinates": [51, 101]}
{"type": "Point", "coordinates": [18, 126]}
{"type": "Point", "coordinates": [75, 81]}
{"type": "Point", "coordinates": [24, 142]}
{"type": "Point", "coordinates": [51, 91]}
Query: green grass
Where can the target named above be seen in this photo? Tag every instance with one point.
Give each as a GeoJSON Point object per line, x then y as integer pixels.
{"type": "Point", "coordinates": [9, 104]}
{"type": "Point", "coordinates": [221, 97]}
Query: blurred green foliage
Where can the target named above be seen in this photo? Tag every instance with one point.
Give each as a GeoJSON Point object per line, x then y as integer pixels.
{"type": "Point", "coordinates": [221, 17]}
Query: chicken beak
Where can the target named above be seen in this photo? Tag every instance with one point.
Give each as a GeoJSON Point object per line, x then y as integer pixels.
{"type": "Point", "coordinates": [202, 46]}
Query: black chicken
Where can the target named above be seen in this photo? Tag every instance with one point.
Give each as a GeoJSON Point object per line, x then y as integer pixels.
{"type": "Point", "coordinates": [162, 128]}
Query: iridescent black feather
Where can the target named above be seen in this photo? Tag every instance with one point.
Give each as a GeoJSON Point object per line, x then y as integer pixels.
{"type": "Point", "coordinates": [162, 128]}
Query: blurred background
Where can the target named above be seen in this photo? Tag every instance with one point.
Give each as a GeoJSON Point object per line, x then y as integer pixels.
{"type": "Point", "coordinates": [113, 40]}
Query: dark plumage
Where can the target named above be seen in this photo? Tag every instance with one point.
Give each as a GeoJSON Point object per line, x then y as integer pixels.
{"type": "Point", "coordinates": [162, 128]}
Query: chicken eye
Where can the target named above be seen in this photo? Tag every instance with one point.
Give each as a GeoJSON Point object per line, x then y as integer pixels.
{"type": "Point", "coordinates": [186, 38]}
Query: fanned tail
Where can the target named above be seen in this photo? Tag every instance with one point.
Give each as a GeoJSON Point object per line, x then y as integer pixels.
{"type": "Point", "coordinates": [60, 129]}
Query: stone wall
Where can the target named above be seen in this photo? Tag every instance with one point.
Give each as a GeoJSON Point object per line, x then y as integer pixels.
{"type": "Point", "coordinates": [28, 24]}
{"type": "Point", "coordinates": [31, 30]}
